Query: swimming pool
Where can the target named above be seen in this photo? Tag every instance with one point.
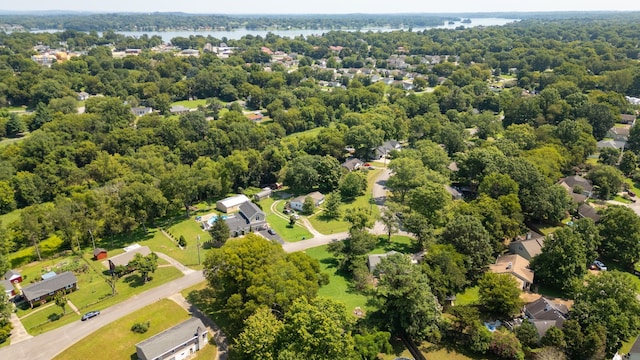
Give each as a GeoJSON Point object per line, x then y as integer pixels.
{"type": "Point", "coordinates": [215, 217]}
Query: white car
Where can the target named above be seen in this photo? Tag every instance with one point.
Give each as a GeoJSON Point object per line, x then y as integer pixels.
{"type": "Point", "coordinates": [600, 265]}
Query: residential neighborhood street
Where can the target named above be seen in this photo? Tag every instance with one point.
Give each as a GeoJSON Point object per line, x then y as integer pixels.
{"type": "Point", "coordinates": [48, 345]}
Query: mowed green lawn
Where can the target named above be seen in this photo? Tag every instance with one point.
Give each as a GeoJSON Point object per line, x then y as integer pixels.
{"type": "Point", "coordinates": [93, 291]}
{"type": "Point", "coordinates": [117, 341]}
{"type": "Point", "coordinates": [191, 104]}
{"type": "Point", "coordinates": [339, 287]}
{"type": "Point", "coordinates": [330, 226]}
{"type": "Point", "coordinates": [280, 225]}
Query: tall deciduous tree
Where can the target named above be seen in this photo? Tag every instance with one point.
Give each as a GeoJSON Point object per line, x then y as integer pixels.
{"type": "Point", "coordinates": [620, 230]}
{"type": "Point", "coordinates": [470, 238]}
{"type": "Point", "coordinates": [563, 259]}
{"type": "Point", "coordinates": [405, 298]}
{"type": "Point", "coordinates": [145, 265]}
{"type": "Point", "coordinates": [444, 267]}
{"type": "Point", "coordinates": [500, 294]}
{"type": "Point", "coordinates": [608, 300]}
{"type": "Point", "coordinates": [259, 339]}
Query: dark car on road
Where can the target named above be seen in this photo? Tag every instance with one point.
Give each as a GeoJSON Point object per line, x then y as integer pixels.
{"type": "Point", "coordinates": [90, 314]}
{"type": "Point", "coordinates": [271, 232]}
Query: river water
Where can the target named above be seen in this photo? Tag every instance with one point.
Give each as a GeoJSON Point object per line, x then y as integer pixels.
{"type": "Point", "coordinates": [239, 33]}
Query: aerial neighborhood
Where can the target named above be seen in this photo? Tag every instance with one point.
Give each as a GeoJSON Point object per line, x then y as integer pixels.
{"type": "Point", "coordinates": [429, 190]}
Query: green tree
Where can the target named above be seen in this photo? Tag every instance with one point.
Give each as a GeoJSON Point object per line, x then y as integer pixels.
{"type": "Point", "coordinates": [499, 294]}
{"type": "Point", "coordinates": [527, 334]}
{"type": "Point", "coordinates": [506, 346]}
{"type": "Point", "coordinates": [430, 200]}
{"type": "Point", "coordinates": [219, 230]}
{"type": "Point", "coordinates": [142, 202]}
{"type": "Point", "coordinates": [470, 238]}
{"type": "Point", "coordinates": [628, 163]}
{"type": "Point", "coordinates": [620, 231]}
{"type": "Point", "coordinates": [407, 174]}
{"type": "Point", "coordinates": [608, 300]}
{"type": "Point", "coordinates": [61, 301]}
{"type": "Point", "coordinates": [609, 156]}
{"type": "Point", "coordinates": [390, 222]}
{"type": "Point", "coordinates": [41, 116]}
{"type": "Point", "coordinates": [7, 200]}
{"type": "Point", "coordinates": [247, 273]}
{"type": "Point", "coordinates": [444, 267]}
{"type": "Point", "coordinates": [352, 185]}
{"type": "Point", "coordinates": [5, 317]}
{"type": "Point", "coordinates": [554, 338]}
{"type": "Point", "coordinates": [358, 218]}
{"type": "Point", "coordinates": [607, 180]}
{"type": "Point", "coordinates": [589, 343]}
{"type": "Point", "coordinates": [15, 126]}
{"type": "Point", "coordinates": [370, 344]}
{"type": "Point", "coordinates": [405, 298]}
{"type": "Point", "coordinates": [318, 329]}
{"type": "Point", "coordinates": [308, 206]}
{"type": "Point", "coordinates": [332, 205]}
{"type": "Point", "coordinates": [497, 185]}
{"type": "Point", "coordinates": [563, 259]}
{"type": "Point", "coordinates": [145, 265]}
{"type": "Point", "coordinates": [259, 339]}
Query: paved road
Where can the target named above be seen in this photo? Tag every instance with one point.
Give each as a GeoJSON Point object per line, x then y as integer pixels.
{"type": "Point", "coordinates": [49, 344]}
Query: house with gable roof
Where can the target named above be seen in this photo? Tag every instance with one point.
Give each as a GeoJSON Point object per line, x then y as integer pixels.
{"type": "Point", "coordinates": [177, 343]}
{"type": "Point", "coordinates": [45, 290]}
{"type": "Point", "coordinates": [249, 218]}
{"type": "Point", "coordinates": [545, 314]}
{"type": "Point", "coordinates": [528, 245]}
{"type": "Point", "coordinates": [516, 266]}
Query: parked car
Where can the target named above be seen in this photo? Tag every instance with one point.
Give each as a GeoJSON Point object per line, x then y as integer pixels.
{"type": "Point", "coordinates": [296, 216]}
{"type": "Point", "coordinates": [631, 193]}
{"type": "Point", "coordinates": [286, 211]}
{"type": "Point", "coordinates": [600, 265]}
{"type": "Point", "coordinates": [90, 315]}
{"type": "Point", "coordinates": [271, 232]}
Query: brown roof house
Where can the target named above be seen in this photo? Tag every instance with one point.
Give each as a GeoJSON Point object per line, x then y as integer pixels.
{"type": "Point", "coordinates": [528, 245]}
{"type": "Point", "coordinates": [545, 314]}
{"type": "Point", "coordinates": [177, 343]}
{"type": "Point", "coordinates": [516, 266]}
{"type": "Point", "coordinates": [43, 291]}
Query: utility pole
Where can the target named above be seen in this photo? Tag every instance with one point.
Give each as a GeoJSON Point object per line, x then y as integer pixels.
{"type": "Point", "coordinates": [198, 247]}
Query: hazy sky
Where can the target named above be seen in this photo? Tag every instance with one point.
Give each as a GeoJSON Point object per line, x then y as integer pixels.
{"type": "Point", "coordinates": [318, 6]}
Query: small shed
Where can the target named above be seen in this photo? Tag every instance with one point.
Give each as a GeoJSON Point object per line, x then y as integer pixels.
{"type": "Point", "coordinates": [99, 254]}
{"type": "Point", "coordinates": [265, 193]}
{"type": "Point", "coordinates": [14, 276]}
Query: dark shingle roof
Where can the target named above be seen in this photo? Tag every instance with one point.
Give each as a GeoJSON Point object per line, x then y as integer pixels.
{"type": "Point", "coordinates": [159, 344]}
{"type": "Point", "coordinates": [49, 285]}
{"type": "Point", "coordinates": [545, 309]}
{"type": "Point", "coordinates": [249, 210]}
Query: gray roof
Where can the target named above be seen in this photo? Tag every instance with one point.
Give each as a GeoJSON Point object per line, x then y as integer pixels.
{"type": "Point", "coordinates": [124, 258]}
{"type": "Point", "coordinates": [587, 211]}
{"type": "Point", "coordinates": [542, 326]}
{"type": "Point", "coordinates": [352, 164]}
{"type": "Point", "coordinates": [532, 246]}
{"type": "Point", "coordinates": [578, 180]}
{"type": "Point", "coordinates": [171, 338]}
{"type": "Point", "coordinates": [97, 251]}
{"type": "Point", "coordinates": [375, 259]}
{"type": "Point", "coordinates": [11, 273]}
{"type": "Point", "coordinates": [6, 284]}
{"type": "Point", "coordinates": [49, 285]}
{"type": "Point", "coordinates": [611, 144]}
{"type": "Point", "coordinates": [249, 210]}
{"type": "Point", "coordinates": [545, 309]}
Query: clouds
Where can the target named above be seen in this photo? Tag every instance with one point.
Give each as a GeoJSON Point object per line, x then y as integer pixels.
{"type": "Point", "coordinates": [320, 7]}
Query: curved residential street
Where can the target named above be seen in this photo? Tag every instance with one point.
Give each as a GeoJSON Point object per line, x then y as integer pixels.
{"type": "Point", "coordinates": [46, 346]}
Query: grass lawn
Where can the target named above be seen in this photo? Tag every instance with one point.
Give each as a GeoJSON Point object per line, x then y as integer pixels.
{"type": "Point", "coordinates": [8, 218]}
{"type": "Point", "coordinates": [339, 287]}
{"type": "Point", "coordinates": [627, 345]}
{"type": "Point", "coordinates": [93, 291]}
{"type": "Point", "coordinates": [399, 243]}
{"type": "Point", "coordinates": [191, 104]}
{"type": "Point", "coordinates": [280, 225]}
{"type": "Point", "coordinates": [468, 297]}
{"type": "Point", "coordinates": [329, 226]}
{"type": "Point", "coordinates": [119, 337]}
{"type": "Point", "coordinates": [619, 198]}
